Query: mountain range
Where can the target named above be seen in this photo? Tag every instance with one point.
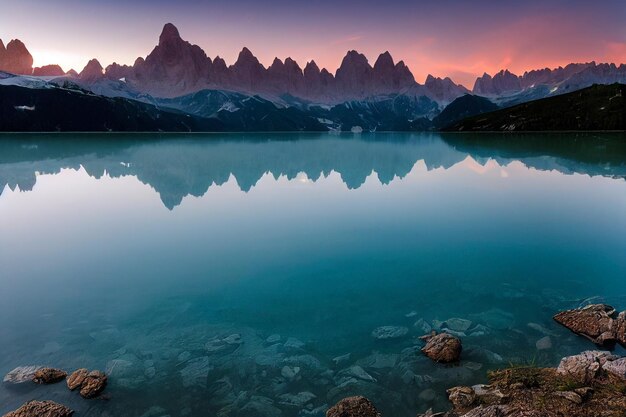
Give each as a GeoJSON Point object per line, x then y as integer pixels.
{"type": "Point", "coordinates": [178, 77]}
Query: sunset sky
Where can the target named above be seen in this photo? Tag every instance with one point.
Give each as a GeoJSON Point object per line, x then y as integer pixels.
{"type": "Point", "coordinates": [456, 38]}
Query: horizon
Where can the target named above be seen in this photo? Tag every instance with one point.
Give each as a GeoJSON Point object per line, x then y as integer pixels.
{"type": "Point", "coordinates": [458, 41]}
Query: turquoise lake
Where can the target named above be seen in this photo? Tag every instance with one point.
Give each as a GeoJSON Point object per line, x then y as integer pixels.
{"type": "Point", "coordinates": [243, 275]}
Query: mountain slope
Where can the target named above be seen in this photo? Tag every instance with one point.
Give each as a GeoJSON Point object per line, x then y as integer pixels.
{"type": "Point", "coordinates": [600, 107]}
{"type": "Point", "coordinates": [57, 109]}
{"type": "Point", "coordinates": [463, 107]}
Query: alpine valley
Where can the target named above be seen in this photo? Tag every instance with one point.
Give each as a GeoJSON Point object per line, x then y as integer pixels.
{"type": "Point", "coordinates": [177, 87]}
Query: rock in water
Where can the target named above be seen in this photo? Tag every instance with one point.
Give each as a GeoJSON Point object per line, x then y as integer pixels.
{"type": "Point", "coordinates": [458, 325]}
{"type": "Point", "coordinates": [21, 374]}
{"type": "Point", "coordinates": [41, 409]}
{"type": "Point", "coordinates": [389, 332]}
{"type": "Point", "coordinates": [443, 348]}
{"type": "Point", "coordinates": [77, 378]}
{"type": "Point", "coordinates": [544, 343]}
{"type": "Point", "coordinates": [353, 407]}
{"type": "Point", "coordinates": [49, 376]}
{"type": "Point", "coordinates": [594, 322]}
{"type": "Point", "coordinates": [93, 384]}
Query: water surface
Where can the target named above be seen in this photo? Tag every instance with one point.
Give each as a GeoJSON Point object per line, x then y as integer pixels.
{"type": "Point", "coordinates": [139, 255]}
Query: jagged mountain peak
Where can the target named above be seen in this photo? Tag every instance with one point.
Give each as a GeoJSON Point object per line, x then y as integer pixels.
{"type": "Point", "coordinates": [169, 32]}
{"type": "Point", "coordinates": [15, 58]}
{"type": "Point", "coordinates": [92, 71]}
{"type": "Point", "coordinates": [276, 64]}
{"type": "Point", "coordinates": [311, 66]}
{"type": "Point", "coordinates": [384, 62]}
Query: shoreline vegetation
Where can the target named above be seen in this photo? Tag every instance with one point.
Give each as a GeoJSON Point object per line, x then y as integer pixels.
{"type": "Point", "coordinates": [590, 383]}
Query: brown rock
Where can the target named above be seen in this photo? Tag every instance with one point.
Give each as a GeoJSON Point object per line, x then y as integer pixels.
{"type": "Point", "coordinates": [494, 411]}
{"type": "Point", "coordinates": [41, 409]}
{"type": "Point", "coordinates": [461, 397]}
{"type": "Point", "coordinates": [353, 407]}
{"type": "Point", "coordinates": [594, 322]}
{"type": "Point", "coordinates": [443, 348]}
{"type": "Point", "coordinates": [585, 366]}
{"type": "Point", "coordinates": [620, 328]}
{"type": "Point", "coordinates": [93, 384]}
{"type": "Point", "coordinates": [570, 396]}
{"type": "Point", "coordinates": [77, 378]}
{"type": "Point", "coordinates": [49, 375]}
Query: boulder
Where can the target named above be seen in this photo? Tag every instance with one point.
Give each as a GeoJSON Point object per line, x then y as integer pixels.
{"type": "Point", "coordinates": [49, 376]}
{"type": "Point", "coordinates": [585, 366]}
{"type": "Point", "coordinates": [77, 378]}
{"type": "Point", "coordinates": [353, 407]}
{"type": "Point", "coordinates": [594, 322]}
{"type": "Point", "coordinates": [41, 409]}
{"type": "Point", "coordinates": [443, 347]}
{"type": "Point", "coordinates": [93, 384]}
{"type": "Point", "coordinates": [616, 367]}
{"type": "Point", "coordinates": [461, 397]}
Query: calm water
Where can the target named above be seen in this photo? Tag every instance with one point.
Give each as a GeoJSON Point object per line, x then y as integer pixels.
{"type": "Point", "coordinates": [139, 255]}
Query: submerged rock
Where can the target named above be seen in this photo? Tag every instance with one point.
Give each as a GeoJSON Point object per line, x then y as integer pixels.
{"type": "Point", "coordinates": [389, 332]}
{"type": "Point", "coordinates": [544, 343]}
{"type": "Point", "coordinates": [457, 325]}
{"type": "Point", "coordinates": [296, 400]}
{"type": "Point", "coordinates": [93, 384]}
{"type": "Point", "coordinates": [196, 372]}
{"type": "Point", "coordinates": [21, 374]}
{"type": "Point", "coordinates": [495, 319]}
{"type": "Point", "coordinates": [41, 409]}
{"type": "Point", "coordinates": [353, 407]}
{"type": "Point", "coordinates": [77, 378]}
{"type": "Point", "coordinates": [443, 347]}
{"type": "Point", "coordinates": [422, 326]}
{"type": "Point", "coordinates": [595, 322]}
{"type": "Point", "coordinates": [49, 376]}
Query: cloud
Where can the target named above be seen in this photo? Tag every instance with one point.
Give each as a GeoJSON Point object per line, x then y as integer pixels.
{"type": "Point", "coordinates": [348, 39]}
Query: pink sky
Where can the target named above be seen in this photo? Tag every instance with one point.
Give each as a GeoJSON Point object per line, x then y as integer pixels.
{"type": "Point", "coordinates": [445, 38]}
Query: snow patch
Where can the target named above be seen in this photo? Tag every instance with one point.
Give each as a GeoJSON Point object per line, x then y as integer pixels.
{"type": "Point", "coordinates": [24, 108]}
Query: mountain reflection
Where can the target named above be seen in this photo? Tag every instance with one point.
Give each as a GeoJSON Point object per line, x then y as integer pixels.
{"type": "Point", "coordinates": [177, 166]}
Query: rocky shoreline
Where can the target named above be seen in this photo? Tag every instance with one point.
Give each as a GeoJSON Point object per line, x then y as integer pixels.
{"type": "Point", "coordinates": [589, 383]}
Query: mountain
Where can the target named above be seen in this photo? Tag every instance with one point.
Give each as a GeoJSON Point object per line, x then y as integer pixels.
{"type": "Point", "coordinates": [508, 89]}
{"type": "Point", "coordinates": [57, 109]}
{"type": "Point", "coordinates": [501, 83]}
{"type": "Point", "coordinates": [15, 58]}
{"type": "Point", "coordinates": [600, 107]}
{"type": "Point", "coordinates": [176, 68]}
{"type": "Point", "coordinates": [443, 90]}
{"type": "Point", "coordinates": [48, 71]}
{"type": "Point", "coordinates": [463, 107]}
